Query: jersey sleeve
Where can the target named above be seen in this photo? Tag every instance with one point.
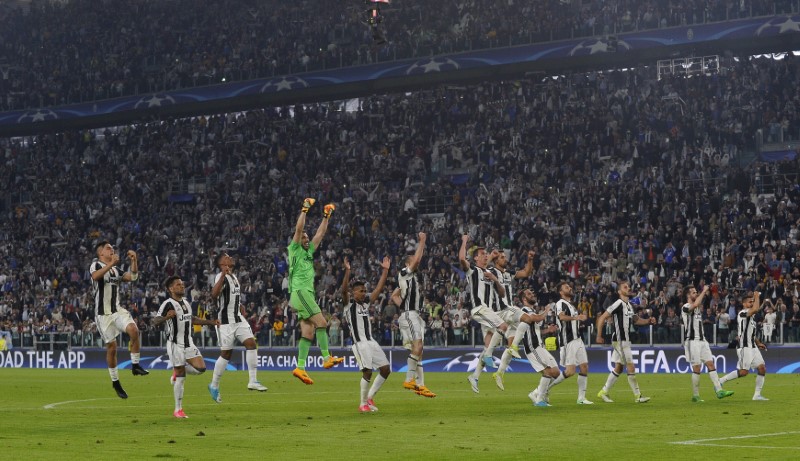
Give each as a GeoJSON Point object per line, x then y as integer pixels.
{"type": "Point", "coordinates": [614, 306]}
{"type": "Point", "coordinates": [166, 306]}
{"type": "Point", "coordinates": [216, 278]}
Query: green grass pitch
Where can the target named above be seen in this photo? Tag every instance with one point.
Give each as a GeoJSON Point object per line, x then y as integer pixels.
{"type": "Point", "coordinates": [74, 414]}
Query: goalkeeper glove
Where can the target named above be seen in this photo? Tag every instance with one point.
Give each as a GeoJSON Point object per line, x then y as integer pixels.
{"type": "Point", "coordinates": [326, 212]}
{"type": "Point", "coordinates": [307, 203]}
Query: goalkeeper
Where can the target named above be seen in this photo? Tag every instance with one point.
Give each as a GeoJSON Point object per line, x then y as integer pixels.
{"type": "Point", "coordinates": [301, 291]}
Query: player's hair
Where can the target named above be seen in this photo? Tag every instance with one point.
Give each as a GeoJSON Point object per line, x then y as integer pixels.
{"type": "Point", "coordinates": [170, 280]}
{"type": "Point", "coordinates": [100, 245]}
{"type": "Point", "coordinates": [622, 282]}
{"type": "Point", "coordinates": [748, 295]}
{"type": "Point", "coordinates": [476, 250]}
{"type": "Point", "coordinates": [686, 291]}
{"type": "Point", "coordinates": [219, 258]}
{"type": "Point", "coordinates": [357, 283]}
{"type": "Point", "coordinates": [559, 285]}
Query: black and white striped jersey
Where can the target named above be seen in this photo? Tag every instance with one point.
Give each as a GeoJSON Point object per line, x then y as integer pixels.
{"type": "Point", "coordinates": [693, 322]}
{"type": "Point", "coordinates": [568, 329]}
{"type": "Point", "coordinates": [178, 328]}
{"type": "Point", "coordinates": [357, 316]}
{"type": "Point", "coordinates": [747, 329]}
{"type": "Point", "coordinates": [409, 290]}
{"type": "Point", "coordinates": [106, 290]}
{"type": "Point", "coordinates": [229, 300]}
{"type": "Point", "coordinates": [480, 288]}
{"type": "Point", "coordinates": [533, 337]}
{"type": "Point", "coordinates": [506, 280]}
{"type": "Point", "coordinates": [622, 314]}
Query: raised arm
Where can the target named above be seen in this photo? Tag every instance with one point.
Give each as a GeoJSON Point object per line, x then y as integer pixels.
{"type": "Point", "coordinates": [387, 262]}
{"type": "Point", "coordinates": [323, 226]}
{"type": "Point", "coordinates": [133, 272]}
{"type": "Point", "coordinates": [699, 300]}
{"type": "Point", "coordinates": [217, 288]}
{"type": "Point", "coordinates": [418, 254]}
{"type": "Point", "coordinates": [756, 304]}
{"type": "Point", "coordinates": [526, 271]}
{"type": "Point", "coordinates": [462, 252]}
{"type": "Point", "coordinates": [301, 220]}
{"type": "Point", "coordinates": [346, 282]}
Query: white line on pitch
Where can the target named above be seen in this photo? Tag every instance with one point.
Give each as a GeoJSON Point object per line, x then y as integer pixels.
{"type": "Point", "coordinates": [702, 442]}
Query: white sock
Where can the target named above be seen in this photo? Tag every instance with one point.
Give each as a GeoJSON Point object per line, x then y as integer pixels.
{"type": "Point", "coordinates": [522, 328]}
{"type": "Point", "coordinates": [582, 381]}
{"type": "Point", "coordinates": [219, 367]}
{"type": "Point", "coordinates": [715, 379]}
{"type": "Point", "coordinates": [364, 389]}
{"type": "Point", "coordinates": [412, 362]}
{"type": "Point", "coordinates": [135, 356]}
{"type": "Point", "coordinates": [505, 360]}
{"type": "Point", "coordinates": [177, 392]}
{"type": "Point", "coordinates": [114, 374]}
{"type": "Point", "coordinates": [251, 357]}
{"type": "Point", "coordinates": [420, 375]}
{"type": "Point", "coordinates": [612, 378]}
{"type": "Point", "coordinates": [479, 369]}
{"type": "Point", "coordinates": [695, 383]}
{"type": "Point", "coordinates": [634, 385]}
{"type": "Point", "coordinates": [759, 384]}
{"type": "Point", "coordinates": [730, 376]}
{"type": "Point", "coordinates": [190, 370]}
{"type": "Point", "coordinates": [497, 337]}
{"type": "Point", "coordinates": [544, 387]}
{"type": "Point", "coordinates": [558, 379]}
{"type": "Point", "coordinates": [376, 386]}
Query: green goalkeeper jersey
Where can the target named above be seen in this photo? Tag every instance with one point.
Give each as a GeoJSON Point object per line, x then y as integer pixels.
{"type": "Point", "coordinates": [301, 267]}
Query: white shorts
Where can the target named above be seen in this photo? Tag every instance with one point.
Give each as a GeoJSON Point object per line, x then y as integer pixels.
{"type": "Point", "coordinates": [540, 359]}
{"type": "Point", "coordinates": [369, 355]}
{"type": "Point", "coordinates": [697, 352]}
{"type": "Point", "coordinates": [111, 326]}
{"type": "Point", "coordinates": [574, 353]}
{"type": "Point", "coordinates": [412, 327]}
{"type": "Point", "coordinates": [749, 358]}
{"type": "Point", "coordinates": [511, 316]}
{"type": "Point", "coordinates": [178, 354]}
{"type": "Point", "coordinates": [489, 319]}
{"type": "Point", "coordinates": [229, 333]}
{"type": "Point", "coordinates": [622, 352]}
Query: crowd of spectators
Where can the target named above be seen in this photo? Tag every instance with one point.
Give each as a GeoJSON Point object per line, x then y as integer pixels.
{"type": "Point", "coordinates": [60, 52]}
{"type": "Point", "coordinates": [607, 176]}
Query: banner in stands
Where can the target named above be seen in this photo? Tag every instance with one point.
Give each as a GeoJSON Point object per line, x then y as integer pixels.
{"type": "Point", "coordinates": [780, 359]}
{"type": "Point", "coordinates": [744, 29]}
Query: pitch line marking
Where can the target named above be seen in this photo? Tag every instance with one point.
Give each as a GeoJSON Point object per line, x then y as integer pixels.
{"type": "Point", "coordinates": [50, 406]}
{"type": "Point", "coordinates": [702, 442]}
